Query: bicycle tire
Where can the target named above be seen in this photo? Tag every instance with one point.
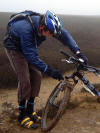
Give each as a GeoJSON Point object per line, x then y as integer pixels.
{"type": "Point", "coordinates": [62, 107]}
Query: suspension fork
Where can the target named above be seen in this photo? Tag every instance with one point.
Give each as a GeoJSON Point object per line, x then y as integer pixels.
{"type": "Point", "coordinates": [81, 77]}
{"type": "Point", "coordinates": [86, 82]}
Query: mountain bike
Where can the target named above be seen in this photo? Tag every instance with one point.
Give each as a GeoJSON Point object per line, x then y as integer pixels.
{"type": "Point", "coordinates": [59, 98]}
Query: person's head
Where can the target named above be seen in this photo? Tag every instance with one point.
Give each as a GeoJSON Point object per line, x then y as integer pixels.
{"type": "Point", "coordinates": [50, 24]}
{"type": "Point", "coordinates": [44, 31]}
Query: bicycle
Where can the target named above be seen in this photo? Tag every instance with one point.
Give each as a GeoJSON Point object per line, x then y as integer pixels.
{"type": "Point", "coordinates": [60, 96]}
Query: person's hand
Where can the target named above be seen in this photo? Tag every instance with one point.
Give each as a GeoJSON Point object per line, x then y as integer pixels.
{"type": "Point", "coordinates": [83, 57]}
{"type": "Point", "coordinates": [56, 74]}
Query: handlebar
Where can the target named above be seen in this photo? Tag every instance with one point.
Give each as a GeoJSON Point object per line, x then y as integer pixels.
{"type": "Point", "coordinates": [80, 64]}
{"type": "Point", "coordinates": [65, 53]}
{"type": "Point", "coordinates": [72, 59]}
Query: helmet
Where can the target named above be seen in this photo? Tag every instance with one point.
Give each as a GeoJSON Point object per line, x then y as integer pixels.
{"type": "Point", "coordinates": [53, 23]}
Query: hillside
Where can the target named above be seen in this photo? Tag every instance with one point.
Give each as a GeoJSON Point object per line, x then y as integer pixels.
{"type": "Point", "coordinates": [82, 114]}
{"type": "Point", "coordinates": [85, 31]}
{"type": "Point", "coordinates": [4, 17]}
{"type": "Point", "coordinates": [83, 111]}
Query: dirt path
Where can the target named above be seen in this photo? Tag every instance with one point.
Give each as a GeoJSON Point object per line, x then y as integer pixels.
{"type": "Point", "coordinates": [82, 115]}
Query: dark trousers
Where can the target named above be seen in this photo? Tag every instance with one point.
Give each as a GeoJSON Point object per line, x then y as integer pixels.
{"type": "Point", "coordinates": [29, 78]}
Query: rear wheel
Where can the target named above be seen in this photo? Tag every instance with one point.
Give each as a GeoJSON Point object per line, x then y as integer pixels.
{"type": "Point", "coordinates": [56, 105]}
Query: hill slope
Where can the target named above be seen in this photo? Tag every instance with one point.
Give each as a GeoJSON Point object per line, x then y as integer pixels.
{"type": "Point", "coordinates": [85, 31]}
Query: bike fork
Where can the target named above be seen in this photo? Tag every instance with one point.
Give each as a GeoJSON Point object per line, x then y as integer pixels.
{"type": "Point", "coordinates": [88, 86]}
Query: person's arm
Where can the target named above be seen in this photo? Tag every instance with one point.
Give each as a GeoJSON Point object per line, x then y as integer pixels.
{"type": "Point", "coordinates": [29, 49]}
{"type": "Point", "coordinates": [67, 40]}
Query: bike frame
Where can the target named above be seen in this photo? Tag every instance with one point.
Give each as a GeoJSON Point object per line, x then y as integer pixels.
{"type": "Point", "coordinates": [65, 87]}
{"type": "Point", "coordinates": [81, 67]}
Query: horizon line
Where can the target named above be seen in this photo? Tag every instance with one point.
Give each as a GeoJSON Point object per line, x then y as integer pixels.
{"type": "Point", "coordinates": [59, 14]}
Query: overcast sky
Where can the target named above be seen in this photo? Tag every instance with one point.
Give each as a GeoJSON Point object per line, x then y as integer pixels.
{"type": "Point", "coordinates": [77, 7]}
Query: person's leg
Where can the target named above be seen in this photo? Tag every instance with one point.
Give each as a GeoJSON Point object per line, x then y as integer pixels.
{"type": "Point", "coordinates": [30, 105]}
{"type": "Point", "coordinates": [35, 78]}
{"type": "Point", "coordinates": [20, 66]}
{"type": "Point", "coordinates": [22, 110]}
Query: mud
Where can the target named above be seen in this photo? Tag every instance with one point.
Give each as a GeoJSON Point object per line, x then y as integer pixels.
{"type": "Point", "coordinates": [81, 116]}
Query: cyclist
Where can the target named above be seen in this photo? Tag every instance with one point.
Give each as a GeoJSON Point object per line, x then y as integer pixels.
{"type": "Point", "coordinates": [21, 43]}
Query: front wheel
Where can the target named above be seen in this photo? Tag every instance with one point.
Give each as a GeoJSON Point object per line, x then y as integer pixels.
{"type": "Point", "coordinates": [56, 105]}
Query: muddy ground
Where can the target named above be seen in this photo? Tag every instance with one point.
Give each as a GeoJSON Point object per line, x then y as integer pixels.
{"type": "Point", "coordinates": [82, 115]}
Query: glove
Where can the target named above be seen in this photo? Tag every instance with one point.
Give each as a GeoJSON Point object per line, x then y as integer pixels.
{"type": "Point", "coordinates": [83, 57]}
{"type": "Point", "coordinates": [54, 73]}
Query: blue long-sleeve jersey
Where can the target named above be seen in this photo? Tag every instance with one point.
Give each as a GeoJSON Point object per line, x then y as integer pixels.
{"type": "Point", "coordinates": [27, 40]}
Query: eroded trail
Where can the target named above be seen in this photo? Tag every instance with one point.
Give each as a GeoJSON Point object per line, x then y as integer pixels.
{"type": "Point", "coordinates": [82, 115]}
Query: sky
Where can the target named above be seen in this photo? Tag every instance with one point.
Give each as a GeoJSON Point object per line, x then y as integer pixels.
{"type": "Point", "coordinates": [74, 7]}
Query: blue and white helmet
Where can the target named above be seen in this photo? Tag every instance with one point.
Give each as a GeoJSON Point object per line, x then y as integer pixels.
{"type": "Point", "coordinates": [53, 23]}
